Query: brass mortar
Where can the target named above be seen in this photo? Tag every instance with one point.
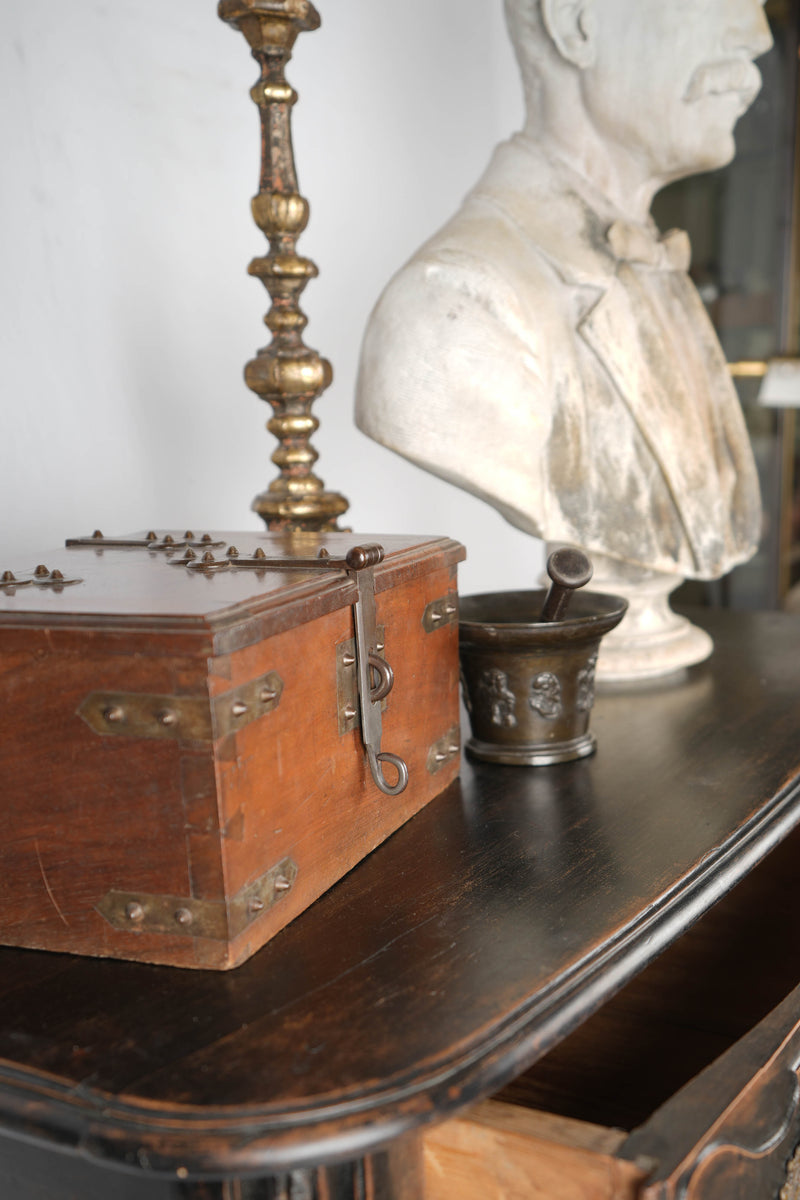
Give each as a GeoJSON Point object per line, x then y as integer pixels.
{"type": "Point", "coordinates": [529, 684]}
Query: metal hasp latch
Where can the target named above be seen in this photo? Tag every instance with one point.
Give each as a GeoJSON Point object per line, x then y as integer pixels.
{"type": "Point", "coordinates": [360, 563]}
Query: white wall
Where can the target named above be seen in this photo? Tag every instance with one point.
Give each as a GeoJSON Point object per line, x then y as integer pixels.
{"type": "Point", "coordinates": [129, 152]}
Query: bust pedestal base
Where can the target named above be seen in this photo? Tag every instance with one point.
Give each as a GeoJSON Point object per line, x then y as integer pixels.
{"type": "Point", "coordinates": [651, 640]}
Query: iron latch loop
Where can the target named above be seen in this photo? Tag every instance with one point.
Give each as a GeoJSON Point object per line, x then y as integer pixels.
{"type": "Point", "coordinates": [360, 562]}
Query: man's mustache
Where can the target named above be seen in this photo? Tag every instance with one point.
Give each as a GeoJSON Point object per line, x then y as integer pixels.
{"type": "Point", "coordinates": [721, 78]}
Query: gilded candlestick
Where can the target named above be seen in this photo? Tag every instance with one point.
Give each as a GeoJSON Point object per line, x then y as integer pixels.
{"type": "Point", "coordinates": [287, 373]}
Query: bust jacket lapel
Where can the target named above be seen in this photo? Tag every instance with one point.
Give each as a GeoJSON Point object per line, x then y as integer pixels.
{"type": "Point", "coordinates": [624, 333]}
{"type": "Point", "coordinates": [618, 319]}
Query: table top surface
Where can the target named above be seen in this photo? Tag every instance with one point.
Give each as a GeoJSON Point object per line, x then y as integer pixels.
{"type": "Point", "coordinates": [452, 958]}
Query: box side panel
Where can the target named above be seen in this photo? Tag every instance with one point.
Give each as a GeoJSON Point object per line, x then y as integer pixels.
{"type": "Point", "coordinates": [88, 813]}
{"type": "Point", "coordinates": [294, 787]}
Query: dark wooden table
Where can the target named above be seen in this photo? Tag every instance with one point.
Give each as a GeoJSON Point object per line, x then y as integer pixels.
{"type": "Point", "coordinates": [478, 937]}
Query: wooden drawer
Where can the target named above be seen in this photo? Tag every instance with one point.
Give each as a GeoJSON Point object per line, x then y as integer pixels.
{"type": "Point", "coordinates": [686, 1084]}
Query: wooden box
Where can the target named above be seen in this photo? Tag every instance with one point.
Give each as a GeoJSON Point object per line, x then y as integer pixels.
{"type": "Point", "coordinates": [182, 764]}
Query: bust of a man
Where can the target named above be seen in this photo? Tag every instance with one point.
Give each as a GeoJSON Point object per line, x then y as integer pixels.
{"type": "Point", "coordinates": [546, 349]}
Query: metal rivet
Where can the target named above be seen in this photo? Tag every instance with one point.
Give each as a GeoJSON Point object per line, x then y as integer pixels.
{"type": "Point", "coordinates": [206, 538]}
{"type": "Point", "coordinates": [113, 713]}
{"type": "Point", "coordinates": [208, 557]}
{"type": "Point", "coordinates": [190, 555]}
{"type": "Point", "coordinates": [449, 609]}
{"type": "Point", "coordinates": [233, 552]}
{"type": "Point", "coordinates": [454, 749]}
{"type": "Point", "coordinates": [41, 570]}
{"type": "Point", "coordinates": [435, 616]}
{"type": "Point", "coordinates": [266, 695]}
{"type": "Point", "coordinates": [9, 577]}
{"type": "Point", "coordinates": [259, 553]}
{"type": "Point", "coordinates": [380, 647]}
{"type": "Point", "coordinates": [282, 884]}
{"type": "Point", "coordinates": [239, 708]}
{"type": "Point", "coordinates": [348, 660]}
{"type": "Point", "coordinates": [169, 540]}
{"type": "Point", "coordinates": [134, 911]}
{"type": "Point", "coordinates": [56, 574]}
{"type": "Point", "coordinates": [97, 534]}
{"type": "Point", "coordinates": [350, 712]}
{"type": "Point", "coordinates": [166, 717]}
{"type": "Point", "coordinates": [440, 756]}
{"type": "Point", "coordinates": [152, 536]}
{"type": "Point", "coordinates": [189, 535]}
{"type": "Point", "coordinates": [183, 916]}
{"type": "Point", "coordinates": [323, 553]}
{"type": "Point", "coordinates": [255, 905]}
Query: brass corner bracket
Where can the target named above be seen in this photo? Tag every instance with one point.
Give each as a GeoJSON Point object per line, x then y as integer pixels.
{"type": "Point", "coordinates": [286, 374]}
{"type": "Point", "coordinates": [140, 912]}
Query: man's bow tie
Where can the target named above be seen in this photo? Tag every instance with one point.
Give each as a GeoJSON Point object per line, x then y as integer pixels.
{"type": "Point", "coordinates": [635, 243]}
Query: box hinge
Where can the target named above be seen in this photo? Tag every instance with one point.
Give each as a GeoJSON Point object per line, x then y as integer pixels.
{"type": "Point", "coordinates": [184, 718]}
{"type": "Point", "coordinates": [140, 912]}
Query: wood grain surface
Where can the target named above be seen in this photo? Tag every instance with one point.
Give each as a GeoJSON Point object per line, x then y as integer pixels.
{"type": "Point", "coordinates": [474, 940]}
{"type": "Point", "coordinates": [500, 1152]}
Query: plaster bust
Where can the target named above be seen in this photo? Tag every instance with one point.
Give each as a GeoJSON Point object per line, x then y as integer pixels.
{"type": "Point", "coordinates": [546, 350]}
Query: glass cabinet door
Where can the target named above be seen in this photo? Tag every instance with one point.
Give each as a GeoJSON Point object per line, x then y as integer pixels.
{"type": "Point", "coordinates": [742, 221]}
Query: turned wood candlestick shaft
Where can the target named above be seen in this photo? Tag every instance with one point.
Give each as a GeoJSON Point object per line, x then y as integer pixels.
{"type": "Point", "coordinates": [287, 374]}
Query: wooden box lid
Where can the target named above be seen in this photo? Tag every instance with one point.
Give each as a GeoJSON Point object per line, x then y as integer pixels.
{"type": "Point", "coordinates": [138, 582]}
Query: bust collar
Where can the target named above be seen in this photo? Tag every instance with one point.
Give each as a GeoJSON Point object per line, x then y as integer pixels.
{"type": "Point", "coordinates": [569, 221]}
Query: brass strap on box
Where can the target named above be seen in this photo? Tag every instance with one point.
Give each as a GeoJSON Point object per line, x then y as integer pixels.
{"type": "Point", "coordinates": [182, 718]}
{"type": "Point", "coordinates": [140, 912]}
{"type": "Point", "coordinates": [166, 542]}
{"type": "Point", "coordinates": [441, 613]}
{"type": "Point", "coordinates": [41, 577]}
{"type": "Point", "coordinates": [444, 750]}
